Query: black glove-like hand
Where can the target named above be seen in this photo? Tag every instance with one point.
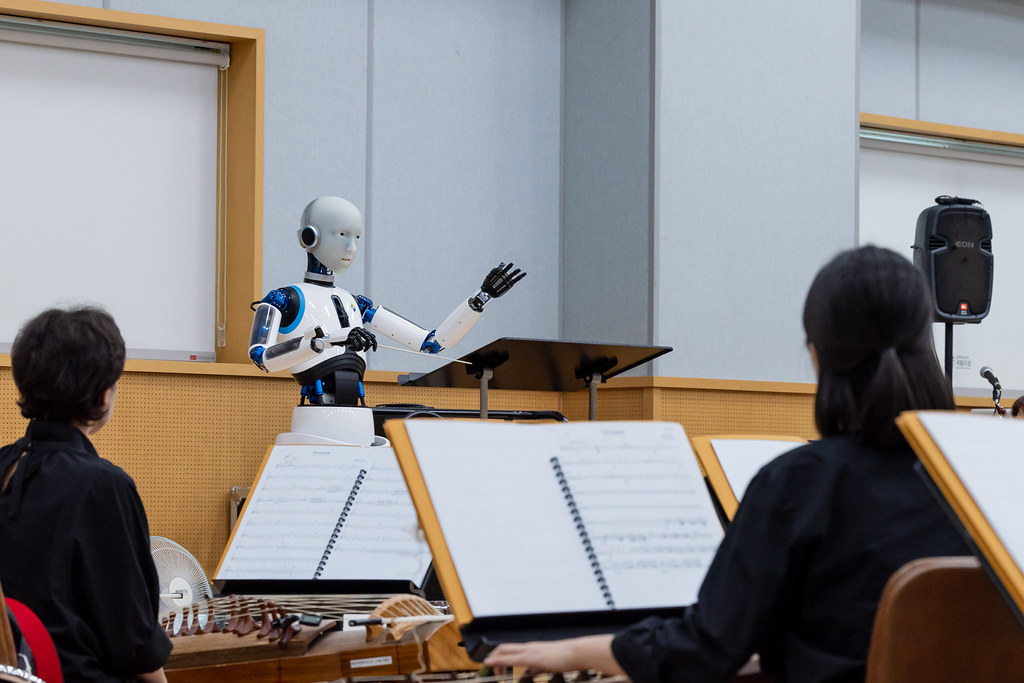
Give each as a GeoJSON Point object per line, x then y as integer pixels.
{"type": "Point", "coordinates": [361, 340]}
{"type": "Point", "coordinates": [500, 280]}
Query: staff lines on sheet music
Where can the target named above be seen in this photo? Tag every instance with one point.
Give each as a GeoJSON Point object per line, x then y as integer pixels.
{"type": "Point", "coordinates": [295, 537]}
{"type": "Point", "coordinates": [250, 541]}
{"type": "Point", "coordinates": [661, 565]}
{"type": "Point", "coordinates": [640, 537]}
{"type": "Point", "coordinates": [623, 480]}
{"type": "Point", "coordinates": [329, 508]}
{"type": "Point", "coordinates": [377, 550]}
{"type": "Point", "coordinates": [657, 549]}
{"type": "Point", "coordinates": [309, 488]}
{"type": "Point", "coordinates": [383, 503]}
{"type": "Point", "coordinates": [266, 562]}
{"type": "Point", "coordinates": [605, 509]}
{"type": "Point", "coordinates": [617, 491]}
{"type": "Point", "coordinates": [344, 467]}
{"type": "Point", "coordinates": [393, 533]}
{"type": "Point", "coordinates": [617, 458]}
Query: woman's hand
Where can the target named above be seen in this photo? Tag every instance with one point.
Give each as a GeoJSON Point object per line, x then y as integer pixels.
{"type": "Point", "coordinates": [573, 654]}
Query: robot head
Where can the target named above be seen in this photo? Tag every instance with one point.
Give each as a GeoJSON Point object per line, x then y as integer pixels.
{"type": "Point", "coordinates": [330, 230]}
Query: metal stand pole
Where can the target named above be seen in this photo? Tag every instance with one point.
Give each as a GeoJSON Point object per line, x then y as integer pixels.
{"type": "Point", "coordinates": [485, 376]}
{"type": "Point", "coordinates": [592, 386]}
{"type": "Point", "coordinates": [949, 353]}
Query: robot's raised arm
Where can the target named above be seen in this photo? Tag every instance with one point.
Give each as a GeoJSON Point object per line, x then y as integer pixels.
{"type": "Point", "coordinates": [451, 331]}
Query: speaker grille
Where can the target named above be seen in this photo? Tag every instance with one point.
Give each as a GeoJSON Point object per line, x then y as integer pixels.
{"type": "Point", "coordinates": [954, 250]}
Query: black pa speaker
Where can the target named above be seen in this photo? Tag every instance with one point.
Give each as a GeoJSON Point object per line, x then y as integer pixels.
{"type": "Point", "coordinates": [953, 248]}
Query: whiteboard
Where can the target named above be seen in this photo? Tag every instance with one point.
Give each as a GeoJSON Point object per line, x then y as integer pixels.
{"type": "Point", "coordinates": [898, 182]}
{"type": "Point", "coordinates": [108, 194]}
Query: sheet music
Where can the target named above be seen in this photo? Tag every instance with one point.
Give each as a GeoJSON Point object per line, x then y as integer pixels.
{"type": "Point", "coordinates": [294, 509]}
{"type": "Point", "coordinates": [381, 531]}
{"type": "Point", "coordinates": [741, 459]}
{"type": "Point", "coordinates": [987, 454]}
{"type": "Point", "coordinates": [504, 514]}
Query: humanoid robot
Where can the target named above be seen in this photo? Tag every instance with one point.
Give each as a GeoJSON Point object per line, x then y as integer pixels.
{"type": "Point", "coordinates": [321, 333]}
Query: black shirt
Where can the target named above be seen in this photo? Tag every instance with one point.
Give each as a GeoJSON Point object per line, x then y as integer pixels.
{"type": "Point", "coordinates": [76, 550]}
{"type": "Point", "coordinates": [799, 573]}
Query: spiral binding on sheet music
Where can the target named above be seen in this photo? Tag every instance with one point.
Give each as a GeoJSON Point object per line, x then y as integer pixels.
{"type": "Point", "coordinates": [341, 522]}
{"type": "Point", "coordinates": [581, 529]}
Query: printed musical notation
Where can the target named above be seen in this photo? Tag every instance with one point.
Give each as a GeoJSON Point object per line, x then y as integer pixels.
{"type": "Point", "coordinates": [569, 517]}
{"type": "Point", "coordinates": [327, 512]}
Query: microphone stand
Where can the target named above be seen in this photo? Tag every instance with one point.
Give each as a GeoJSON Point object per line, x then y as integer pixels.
{"type": "Point", "coordinates": [996, 395]}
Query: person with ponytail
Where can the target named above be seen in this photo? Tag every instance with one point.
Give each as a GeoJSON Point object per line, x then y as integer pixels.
{"type": "Point", "coordinates": [820, 529]}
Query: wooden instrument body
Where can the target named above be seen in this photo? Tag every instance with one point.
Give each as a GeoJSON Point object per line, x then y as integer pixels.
{"type": "Point", "coordinates": [317, 654]}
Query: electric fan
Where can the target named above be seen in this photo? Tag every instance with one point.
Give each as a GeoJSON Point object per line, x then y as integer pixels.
{"type": "Point", "coordinates": [182, 584]}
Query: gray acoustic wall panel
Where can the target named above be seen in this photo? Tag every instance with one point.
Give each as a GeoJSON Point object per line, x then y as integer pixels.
{"type": "Point", "coordinates": [756, 177]}
{"type": "Point", "coordinates": [464, 170]}
{"type": "Point", "coordinates": [888, 58]}
{"type": "Point", "coordinates": [606, 174]}
{"type": "Point", "coordinates": [971, 54]}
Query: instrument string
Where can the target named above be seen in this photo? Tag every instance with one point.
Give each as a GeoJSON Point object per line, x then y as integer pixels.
{"type": "Point", "coordinates": [188, 619]}
{"type": "Point", "coordinates": [420, 659]}
{"type": "Point", "coordinates": [551, 677]}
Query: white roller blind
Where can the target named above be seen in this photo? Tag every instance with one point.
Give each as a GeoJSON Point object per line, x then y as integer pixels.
{"type": "Point", "coordinates": [108, 193]}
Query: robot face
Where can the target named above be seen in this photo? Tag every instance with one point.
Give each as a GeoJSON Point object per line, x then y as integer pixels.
{"type": "Point", "coordinates": [331, 230]}
{"type": "Point", "coordinates": [337, 246]}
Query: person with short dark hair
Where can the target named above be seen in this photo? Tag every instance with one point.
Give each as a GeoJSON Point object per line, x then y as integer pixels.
{"type": "Point", "coordinates": [1017, 409]}
{"type": "Point", "coordinates": [820, 529]}
{"type": "Point", "coordinates": [73, 530]}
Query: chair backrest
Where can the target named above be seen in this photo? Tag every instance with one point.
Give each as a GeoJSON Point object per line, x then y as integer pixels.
{"type": "Point", "coordinates": [8, 651]}
{"type": "Point", "coordinates": [942, 619]}
{"type": "Point", "coordinates": [33, 635]}
{"type": "Point", "coordinates": [44, 653]}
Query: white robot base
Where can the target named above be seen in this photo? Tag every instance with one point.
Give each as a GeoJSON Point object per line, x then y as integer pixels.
{"type": "Point", "coordinates": [332, 425]}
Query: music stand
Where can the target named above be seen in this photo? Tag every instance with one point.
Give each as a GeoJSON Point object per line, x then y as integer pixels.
{"type": "Point", "coordinates": [537, 365]}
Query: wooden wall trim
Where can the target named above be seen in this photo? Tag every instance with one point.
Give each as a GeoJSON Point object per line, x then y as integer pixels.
{"type": "Point", "coordinates": [702, 383]}
{"type": "Point", "coordinates": [941, 130]}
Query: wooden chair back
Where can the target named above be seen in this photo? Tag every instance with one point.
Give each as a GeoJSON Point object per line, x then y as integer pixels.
{"type": "Point", "coordinates": [942, 620]}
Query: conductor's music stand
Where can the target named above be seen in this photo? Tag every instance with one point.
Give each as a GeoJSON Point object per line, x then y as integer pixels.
{"type": "Point", "coordinates": [537, 365]}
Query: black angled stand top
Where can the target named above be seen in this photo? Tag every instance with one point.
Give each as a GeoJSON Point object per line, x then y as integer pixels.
{"type": "Point", "coordinates": [537, 365]}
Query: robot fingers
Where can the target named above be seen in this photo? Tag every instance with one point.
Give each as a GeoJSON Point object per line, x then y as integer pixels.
{"type": "Point", "coordinates": [500, 280]}
{"type": "Point", "coordinates": [360, 339]}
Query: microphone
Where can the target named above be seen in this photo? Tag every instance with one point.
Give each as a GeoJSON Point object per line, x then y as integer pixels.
{"type": "Point", "coordinates": [986, 372]}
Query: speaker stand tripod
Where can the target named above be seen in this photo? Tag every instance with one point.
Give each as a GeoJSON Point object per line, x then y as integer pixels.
{"type": "Point", "coordinates": [949, 353]}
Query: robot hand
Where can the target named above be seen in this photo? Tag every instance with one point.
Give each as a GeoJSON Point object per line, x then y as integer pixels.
{"type": "Point", "coordinates": [360, 339]}
{"type": "Point", "coordinates": [500, 280]}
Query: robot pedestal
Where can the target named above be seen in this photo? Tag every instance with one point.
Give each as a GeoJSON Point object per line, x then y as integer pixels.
{"type": "Point", "coordinates": [334, 425]}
